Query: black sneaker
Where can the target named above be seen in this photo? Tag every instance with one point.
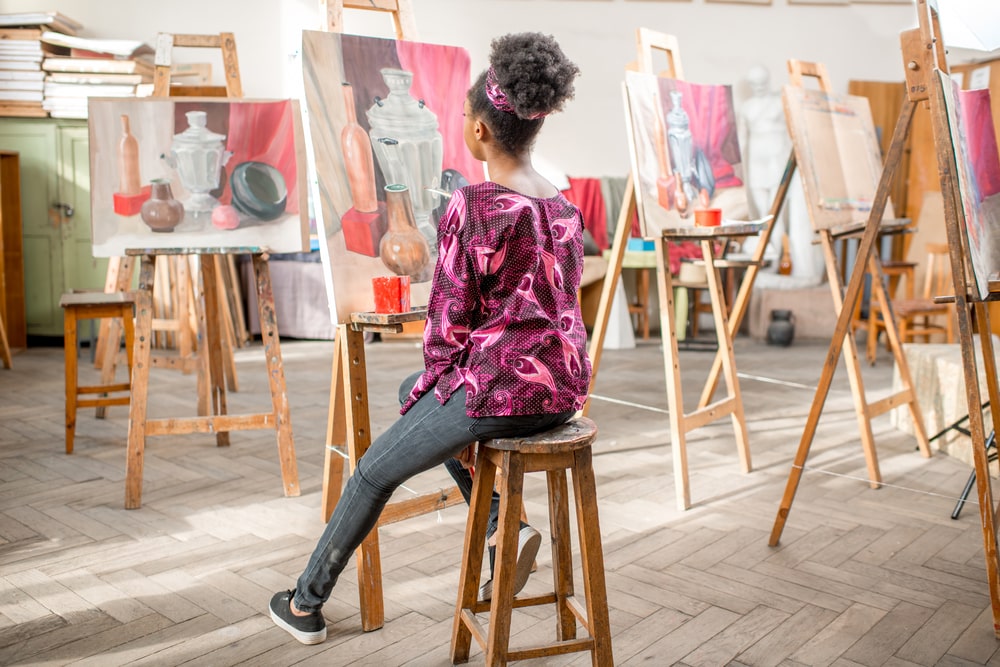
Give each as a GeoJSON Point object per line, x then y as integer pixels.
{"type": "Point", "coordinates": [309, 629]}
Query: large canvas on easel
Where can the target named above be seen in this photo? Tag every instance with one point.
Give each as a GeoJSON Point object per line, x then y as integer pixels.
{"type": "Point", "coordinates": [210, 174]}
{"type": "Point", "coordinates": [403, 130]}
{"type": "Point", "coordinates": [974, 140]}
{"type": "Point", "coordinates": [837, 152]}
{"type": "Point", "coordinates": [685, 151]}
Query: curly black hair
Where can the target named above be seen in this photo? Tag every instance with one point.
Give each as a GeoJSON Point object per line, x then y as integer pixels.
{"type": "Point", "coordinates": [537, 78]}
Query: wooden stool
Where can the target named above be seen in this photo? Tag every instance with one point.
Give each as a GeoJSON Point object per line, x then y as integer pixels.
{"type": "Point", "coordinates": [85, 306]}
{"type": "Point", "coordinates": [566, 447]}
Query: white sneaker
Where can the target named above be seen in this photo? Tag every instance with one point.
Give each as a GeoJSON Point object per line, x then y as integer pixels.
{"type": "Point", "coordinates": [528, 542]}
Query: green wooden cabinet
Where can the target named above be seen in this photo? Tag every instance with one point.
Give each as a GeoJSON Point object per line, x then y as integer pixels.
{"type": "Point", "coordinates": [55, 204]}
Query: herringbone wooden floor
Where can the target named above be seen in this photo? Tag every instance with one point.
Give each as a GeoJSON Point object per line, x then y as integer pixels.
{"type": "Point", "coordinates": [862, 577]}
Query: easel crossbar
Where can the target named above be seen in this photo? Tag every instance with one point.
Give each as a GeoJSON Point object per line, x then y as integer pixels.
{"type": "Point", "coordinates": [180, 426]}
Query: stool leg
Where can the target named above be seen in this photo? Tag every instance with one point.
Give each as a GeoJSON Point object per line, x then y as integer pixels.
{"type": "Point", "coordinates": [592, 557]}
{"type": "Point", "coordinates": [562, 553]}
{"type": "Point", "coordinates": [472, 556]}
{"type": "Point", "coordinates": [511, 491]}
{"type": "Point", "coordinates": [69, 350]}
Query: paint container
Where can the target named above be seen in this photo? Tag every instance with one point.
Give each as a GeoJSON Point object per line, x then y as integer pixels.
{"type": "Point", "coordinates": [392, 294]}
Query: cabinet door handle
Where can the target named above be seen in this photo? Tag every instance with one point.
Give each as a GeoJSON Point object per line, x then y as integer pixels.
{"type": "Point", "coordinates": [65, 209]}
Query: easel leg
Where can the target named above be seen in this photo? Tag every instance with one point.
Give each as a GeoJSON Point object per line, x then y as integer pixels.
{"type": "Point", "coordinates": [726, 350]}
{"type": "Point", "coordinates": [840, 332]}
{"type": "Point", "coordinates": [194, 304]}
{"type": "Point", "coordinates": [228, 327]}
{"type": "Point", "coordinates": [850, 349]}
{"type": "Point", "coordinates": [742, 301]}
{"type": "Point", "coordinates": [140, 385]}
{"type": "Point", "coordinates": [336, 433]}
{"type": "Point", "coordinates": [987, 510]}
{"type": "Point", "coordinates": [276, 377]}
{"type": "Point", "coordinates": [356, 396]}
{"type": "Point", "coordinates": [611, 278]}
{"type": "Point", "coordinates": [213, 344]}
{"type": "Point", "coordinates": [118, 280]}
{"type": "Point", "coordinates": [675, 398]}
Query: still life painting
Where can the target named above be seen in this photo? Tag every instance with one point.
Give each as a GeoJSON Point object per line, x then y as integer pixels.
{"type": "Point", "coordinates": [197, 174]}
{"type": "Point", "coordinates": [977, 158]}
{"type": "Point", "coordinates": [385, 125]}
{"type": "Point", "coordinates": [837, 153]}
{"type": "Point", "coordinates": [685, 151]}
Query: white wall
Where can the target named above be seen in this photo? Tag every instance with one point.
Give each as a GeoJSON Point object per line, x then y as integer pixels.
{"type": "Point", "coordinates": [718, 41]}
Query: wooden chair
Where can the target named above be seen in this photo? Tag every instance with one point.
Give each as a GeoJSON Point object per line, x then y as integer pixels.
{"type": "Point", "coordinates": [919, 317]}
{"type": "Point", "coordinates": [95, 305]}
{"type": "Point", "coordinates": [895, 272]}
{"type": "Point", "coordinates": [566, 447]}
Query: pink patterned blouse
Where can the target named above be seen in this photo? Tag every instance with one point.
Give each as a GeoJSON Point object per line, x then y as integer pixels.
{"type": "Point", "coordinates": [503, 318]}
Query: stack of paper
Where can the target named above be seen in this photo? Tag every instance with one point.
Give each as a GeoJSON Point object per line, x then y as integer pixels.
{"type": "Point", "coordinates": [93, 68]}
{"type": "Point", "coordinates": [21, 72]}
{"type": "Point", "coordinates": [21, 54]}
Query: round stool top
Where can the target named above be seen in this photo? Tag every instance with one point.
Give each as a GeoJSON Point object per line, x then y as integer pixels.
{"type": "Point", "coordinates": [576, 433]}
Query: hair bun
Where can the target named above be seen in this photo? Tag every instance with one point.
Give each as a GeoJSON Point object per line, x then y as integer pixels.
{"type": "Point", "coordinates": [533, 72]}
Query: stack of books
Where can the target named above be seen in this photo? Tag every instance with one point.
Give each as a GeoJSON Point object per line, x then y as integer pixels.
{"type": "Point", "coordinates": [93, 68]}
{"type": "Point", "coordinates": [21, 55]}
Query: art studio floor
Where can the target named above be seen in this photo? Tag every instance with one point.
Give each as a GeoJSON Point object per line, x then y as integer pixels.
{"type": "Point", "coordinates": [861, 577]}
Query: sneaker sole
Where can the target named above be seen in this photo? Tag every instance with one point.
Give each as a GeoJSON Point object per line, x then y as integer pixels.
{"type": "Point", "coordinates": [303, 637]}
{"type": "Point", "coordinates": [525, 561]}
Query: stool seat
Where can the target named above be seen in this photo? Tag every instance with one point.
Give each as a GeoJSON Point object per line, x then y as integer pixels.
{"type": "Point", "coordinates": [505, 461]}
{"type": "Point", "coordinates": [95, 305]}
{"type": "Point", "coordinates": [564, 438]}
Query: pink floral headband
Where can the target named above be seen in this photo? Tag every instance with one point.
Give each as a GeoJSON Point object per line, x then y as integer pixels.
{"type": "Point", "coordinates": [499, 100]}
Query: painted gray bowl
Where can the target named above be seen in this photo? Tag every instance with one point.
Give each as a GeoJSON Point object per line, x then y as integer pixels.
{"type": "Point", "coordinates": [259, 190]}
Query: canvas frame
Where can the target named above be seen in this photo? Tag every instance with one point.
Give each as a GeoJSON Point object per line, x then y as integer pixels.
{"type": "Point", "coordinates": [643, 99]}
{"type": "Point", "coordinates": [837, 153]}
{"type": "Point", "coordinates": [268, 131]}
{"type": "Point", "coordinates": [980, 211]}
{"type": "Point", "coordinates": [331, 60]}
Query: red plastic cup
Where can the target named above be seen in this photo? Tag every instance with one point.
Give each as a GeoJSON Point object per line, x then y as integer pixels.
{"type": "Point", "coordinates": [707, 217]}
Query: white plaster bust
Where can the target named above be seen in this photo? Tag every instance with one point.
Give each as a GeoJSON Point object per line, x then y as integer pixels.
{"type": "Point", "coordinates": [765, 146]}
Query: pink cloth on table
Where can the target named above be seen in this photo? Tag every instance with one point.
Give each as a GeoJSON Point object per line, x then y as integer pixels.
{"type": "Point", "coordinates": [683, 250]}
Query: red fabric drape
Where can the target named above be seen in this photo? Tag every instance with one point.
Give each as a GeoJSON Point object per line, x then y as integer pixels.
{"type": "Point", "coordinates": [586, 194]}
{"type": "Point", "coordinates": [263, 132]}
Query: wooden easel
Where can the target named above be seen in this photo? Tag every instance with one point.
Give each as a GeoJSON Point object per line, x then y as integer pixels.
{"type": "Point", "coordinates": [648, 40]}
{"type": "Point", "coordinates": [178, 315]}
{"type": "Point", "coordinates": [348, 424]}
{"type": "Point", "coordinates": [843, 338]}
{"type": "Point", "coordinates": [923, 57]}
{"type": "Point", "coordinates": [211, 320]}
{"type": "Point", "coordinates": [732, 404]}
